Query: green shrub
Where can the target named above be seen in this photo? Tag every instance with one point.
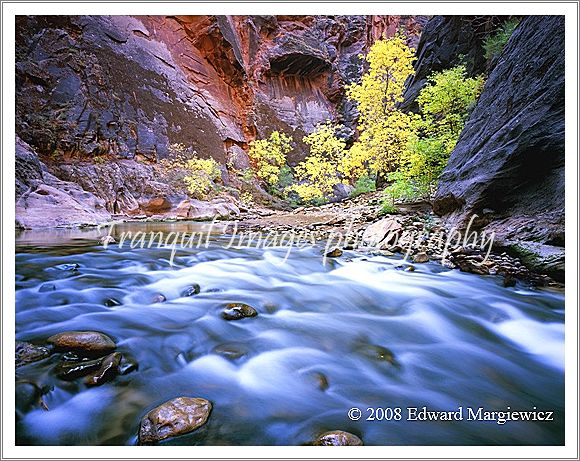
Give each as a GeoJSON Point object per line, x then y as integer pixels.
{"type": "Point", "coordinates": [445, 103]}
{"type": "Point", "coordinates": [406, 189]}
{"type": "Point", "coordinates": [363, 185]}
{"type": "Point", "coordinates": [494, 44]}
{"type": "Point", "coordinates": [388, 208]}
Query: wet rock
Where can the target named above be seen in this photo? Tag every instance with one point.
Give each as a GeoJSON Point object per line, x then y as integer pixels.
{"type": "Point", "coordinates": [46, 287]}
{"type": "Point", "coordinates": [28, 353]}
{"type": "Point", "coordinates": [127, 365]}
{"type": "Point", "coordinates": [67, 267]}
{"type": "Point", "coordinates": [158, 298]}
{"type": "Point", "coordinates": [380, 353]}
{"type": "Point", "coordinates": [334, 253]}
{"type": "Point", "coordinates": [88, 342]}
{"type": "Point", "coordinates": [175, 417]}
{"type": "Point", "coordinates": [231, 351]}
{"type": "Point", "coordinates": [409, 269]}
{"type": "Point", "coordinates": [338, 438]}
{"type": "Point", "coordinates": [548, 259]}
{"type": "Point", "coordinates": [421, 258]}
{"type": "Point", "coordinates": [509, 281]}
{"type": "Point", "coordinates": [108, 370]}
{"type": "Point", "coordinates": [112, 302]}
{"type": "Point", "coordinates": [321, 380]}
{"type": "Point", "coordinates": [237, 311]}
{"type": "Point", "coordinates": [473, 267]}
{"type": "Point", "coordinates": [69, 371]}
{"type": "Point", "coordinates": [28, 395]}
{"type": "Point", "coordinates": [191, 290]}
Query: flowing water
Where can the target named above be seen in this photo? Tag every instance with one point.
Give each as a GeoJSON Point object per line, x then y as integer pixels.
{"type": "Point", "coordinates": [321, 344]}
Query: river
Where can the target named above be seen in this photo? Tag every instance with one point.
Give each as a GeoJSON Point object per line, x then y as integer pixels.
{"type": "Point", "coordinates": [351, 332]}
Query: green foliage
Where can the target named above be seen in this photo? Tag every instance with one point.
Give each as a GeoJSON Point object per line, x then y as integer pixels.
{"type": "Point", "coordinates": [318, 173]}
{"type": "Point", "coordinates": [445, 103]}
{"type": "Point", "coordinates": [494, 44]}
{"type": "Point", "coordinates": [247, 175]}
{"type": "Point", "coordinates": [363, 185]}
{"type": "Point", "coordinates": [403, 188]}
{"type": "Point", "coordinates": [201, 176]}
{"type": "Point", "coordinates": [268, 156]}
{"type": "Point", "coordinates": [384, 129]}
{"type": "Point", "coordinates": [388, 208]}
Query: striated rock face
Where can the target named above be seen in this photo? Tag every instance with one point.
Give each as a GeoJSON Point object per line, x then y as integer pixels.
{"type": "Point", "coordinates": [42, 200]}
{"type": "Point", "coordinates": [111, 94]}
{"type": "Point", "coordinates": [448, 41]}
{"type": "Point", "coordinates": [508, 165]}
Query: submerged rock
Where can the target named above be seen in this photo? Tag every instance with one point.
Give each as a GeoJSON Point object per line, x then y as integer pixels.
{"type": "Point", "coordinates": [380, 353]}
{"type": "Point", "coordinates": [231, 351]}
{"type": "Point", "coordinates": [89, 342]}
{"type": "Point", "coordinates": [338, 438]}
{"type": "Point", "coordinates": [28, 353]}
{"type": "Point", "coordinates": [158, 298]}
{"type": "Point", "coordinates": [67, 267]}
{"type": "Point", "coordinates": [108, 370]}
{"type": "Point", "coordinates": [321, 380]}
{"type": "Point", "coordinates": [28, 396]}
{"type": "Point", "coordinates": [112, 302]}
{"type": "Point", "coordinates": [237, 311]}
{"type": "Point", "coordinates": [175, 417]}
{"type": "Point", "coordinates": [46, 287]}
{"type": "Point", "coordinates": [127, 365]}
{"type": "Point", "coordinates": [191, 290]}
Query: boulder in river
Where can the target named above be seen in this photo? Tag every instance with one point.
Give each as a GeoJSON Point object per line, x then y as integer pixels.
{"type": "Point", "coordinates": [338, 438]}
{"type": "Point", "coordinates": [174, 417]}
{"type": "Point", "coordinates": [108, 370]}
{"type": "Point", "coordinates": [73, 370]}
{"type": "Point", "coordinates": [237, 311]}
{"type": "Point", "coordinates": [28, 353]}
{"type": "Point", "coordinates": [383, 232]}
{"type": "Point", "coordinates": [89, 342]}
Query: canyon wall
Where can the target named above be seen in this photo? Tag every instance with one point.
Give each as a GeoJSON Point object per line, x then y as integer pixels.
{"type": "Point", "coordinates": [102, 99]}
{"type": "Point", "coordinates": [508, 165]}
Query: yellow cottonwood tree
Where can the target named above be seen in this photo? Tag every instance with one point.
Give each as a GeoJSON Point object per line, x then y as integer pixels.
{"type": "Point", "coordinates": [318, 173]}
{"type": "Point", "coordinates": [269, 156]}
{"type": "Point", "coordinates": [384, 129]}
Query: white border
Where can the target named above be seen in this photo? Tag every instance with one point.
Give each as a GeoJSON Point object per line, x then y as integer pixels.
{"type": "Point", "coordinates": [43, 8]}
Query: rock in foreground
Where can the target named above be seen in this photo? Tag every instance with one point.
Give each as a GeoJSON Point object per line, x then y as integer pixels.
{"type": "Point", "coordinates": [90, 342]}
{"type": "Point", "coordinates": [338, 438]}
{"type": "Point", "coordinates": [175, 417]}
{"type": "Point", "coordinates": [28, 353]}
